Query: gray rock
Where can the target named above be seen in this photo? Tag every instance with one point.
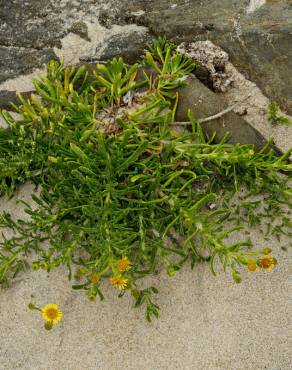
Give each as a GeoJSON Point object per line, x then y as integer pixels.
{"type": "Point", "coordinates": [205, 103]}
{"type": "Point", "coordinates": [259, 43]}
{"type": "Point", "coordinates": [18, 60]}
{"type": "Point", "coordinates": [8, 97]}
{"type": "Point", "coordinates": [130, 46]}
{"type": "Point", "coordinates": [29, 30]}
{"type": "Point", "coordinates": [30, 24]}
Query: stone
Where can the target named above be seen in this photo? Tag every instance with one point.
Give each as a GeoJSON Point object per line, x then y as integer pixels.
{"type": "Point", "coordinates": [257, 35]}
{"type": "Point", "coordinates": [210, 58]}
{"type": "Point", "coordinates": [130, 46]}
{"type": "Point", "coordinates": [24, 60]}
{"type": "Point", "coordinates": [205, 103]}
{"type": "Point", "coordinates": [258, 41]}
{"type": "Point", "coordinates": [8, 97]}
{"type": "Point", "coordinates": [33, 32]}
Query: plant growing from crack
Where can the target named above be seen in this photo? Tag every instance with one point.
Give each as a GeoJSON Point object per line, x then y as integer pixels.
{"type": "Point", "coordinates": [123, 192]}
{"type": "Point", "coordinates": [274, 117]}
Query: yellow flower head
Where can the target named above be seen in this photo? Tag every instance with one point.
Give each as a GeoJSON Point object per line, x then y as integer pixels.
{"type": "Point", "coordinates": [119, 282]}
{"type": "Point", "coordinates": [94, 278]}
{"type": "Point", "coordinates": [252, 266]}
{"type": "Point", "coordinates": [267, 262]}
{"type": "Point", "coordinates": [124, 264]}
{"type": "Point", "coordinates": [51, 313]}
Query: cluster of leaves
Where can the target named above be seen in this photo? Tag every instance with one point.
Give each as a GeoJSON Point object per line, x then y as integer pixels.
{"type": "Point", "coordinates": [118, 180]}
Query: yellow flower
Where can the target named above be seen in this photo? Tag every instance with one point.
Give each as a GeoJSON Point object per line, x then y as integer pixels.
{"type": "Point", "coordinates": [119, 282]}
{"type": "Point", "coordinates": [252, 266]}
{"type": "Point", "coordinates": [94, 278]}
{"type": "Point", "coordinates": [267, 262]}
{"type": "Point", "coordinates": [124, 264]}
{"type": "Point", "coordinates": [51, 313]}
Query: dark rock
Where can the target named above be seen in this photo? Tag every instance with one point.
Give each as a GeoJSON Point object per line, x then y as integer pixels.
{"type": "Point", "coordinates": [129, 46]}
{"type": "Point", "coordinates": [259, 44]}
{"type": "Point", "coordinates": [8, 97]}
{"type": "Point", "coordinates": [205, 103]}
{"type": "Point", "coordinates": [30, 24]}
{"type": "Point", "coordinates": [29, 30]}
{"type": "Point", "coordinates": [15, 60]}
{"type": "Point", "coordinates": [203, 75]}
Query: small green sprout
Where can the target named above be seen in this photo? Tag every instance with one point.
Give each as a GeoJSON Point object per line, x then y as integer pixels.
{"type": "Point", "coordinates": [274, 117]}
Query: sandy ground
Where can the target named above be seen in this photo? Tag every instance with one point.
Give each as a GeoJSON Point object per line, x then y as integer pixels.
{"type": "Point", "coordinates": [206, 322]}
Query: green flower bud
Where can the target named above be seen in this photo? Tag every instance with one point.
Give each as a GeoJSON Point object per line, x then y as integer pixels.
{"type": "Point", "coordinates": [48, 325]}
{"type": "Point", "coordinates": [31, 306]}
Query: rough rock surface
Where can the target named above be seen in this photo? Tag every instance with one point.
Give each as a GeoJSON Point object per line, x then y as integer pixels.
{"type": "Point", "coordinates": [250, 124]}
{"type": "Point", "coordinates": [24, 60]}
{"type": "Point", "coordinates": [256, 34]}
{"type": "Point", "coordinates": [204, 103]}
{"type": "Point", "coordinates": [130, 47]}
{"type": "Point", "coordinates": [33, 32]}
{"type": "Point", "coordinates": [212, 59]}
{"type": "Point", "coordinates": [258, 39]}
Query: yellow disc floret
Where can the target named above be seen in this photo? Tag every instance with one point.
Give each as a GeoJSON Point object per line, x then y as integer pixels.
{"type": "Point", "coordinates": [267, 262]}
{"type": "Point", "coordinates": [124, 264]}
{"type": "Point", "coordinates": [252, 266]}
{"type": "Point", "coordinates": [119, 282]}
{"type": "Point", "coordinates": [51, 313]}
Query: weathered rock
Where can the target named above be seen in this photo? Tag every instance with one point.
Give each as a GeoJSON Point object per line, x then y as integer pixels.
{"type": "Point", "coordinates": [28, 32]}
{"type": "Point", "coordinates": [258, 43]}
{"type": "Point", "coordinates": [30, 24]}
{"type": "Point", "coordinates": [205, 103]}
{"type": "Point", "coordinates": [33, 32]}
{"type": "Point", "coordinates": [129, 46]}
{"type": "Point", "coordinates": [15, 61]}
{"type": "Point", "coordinates": [8, 97]}
{"type": "Point", "coordinates": [212, 60]}
{"type": "Point", "coordinates": [257, 40]}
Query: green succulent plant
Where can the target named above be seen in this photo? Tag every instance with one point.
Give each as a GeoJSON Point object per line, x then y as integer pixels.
{"type": "Point", "coordinates": [118, 182]}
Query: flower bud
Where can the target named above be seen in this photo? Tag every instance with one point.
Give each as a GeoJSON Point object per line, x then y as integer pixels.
{"type": "Point", "coordinates": [48, 325]}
